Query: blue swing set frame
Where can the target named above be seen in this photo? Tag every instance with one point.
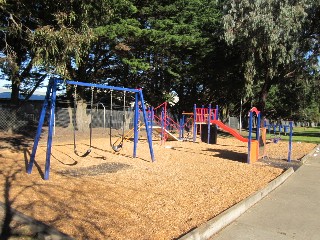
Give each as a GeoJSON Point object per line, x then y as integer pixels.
{"type": "Point", "coordinates": [50, 100]}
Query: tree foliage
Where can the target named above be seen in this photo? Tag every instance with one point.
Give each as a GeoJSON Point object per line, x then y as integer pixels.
{"type": "Point", "coordinates": [218, 52]}
{"type": "Point", "coordinates": [269, 33]}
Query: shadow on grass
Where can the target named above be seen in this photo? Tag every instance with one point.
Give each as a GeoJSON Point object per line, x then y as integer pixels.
{"type": "Point", "coordinates": [307, 134]}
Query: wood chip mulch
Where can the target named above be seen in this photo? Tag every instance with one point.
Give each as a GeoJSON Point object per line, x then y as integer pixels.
{"type": "Point", "coordinates": [110, 195]}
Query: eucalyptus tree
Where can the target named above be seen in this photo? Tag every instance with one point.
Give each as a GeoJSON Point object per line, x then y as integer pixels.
{"type": "Point", "coordinates": [34, 34]}
{"type": "Point", "coordinates": [58, 37]}
{"type": "Point", "coordinates": [269, 33]}
{"type": "Point", "coordinates": [175, 43]}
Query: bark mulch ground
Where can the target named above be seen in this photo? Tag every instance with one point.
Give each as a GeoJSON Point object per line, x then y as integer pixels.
{"type": "Point", "coordinates": [109, 195]}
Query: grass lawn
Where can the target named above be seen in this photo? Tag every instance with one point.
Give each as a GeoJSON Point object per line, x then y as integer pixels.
{"type": "Point", "coordinates": [306, 134]}
{"type": "Point", "coordinates": [300, 134]}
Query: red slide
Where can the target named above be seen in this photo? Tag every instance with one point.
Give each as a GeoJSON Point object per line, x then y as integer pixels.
{"type": "Point", "coordinates": [230, 130]}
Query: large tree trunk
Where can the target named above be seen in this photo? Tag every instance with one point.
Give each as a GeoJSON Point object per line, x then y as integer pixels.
{"type": "Point", "coordinates": [82, 118]}
{"type": "Point", "coordinates": [263, 97]}
{"type": "Point", "coordinates": [15, 90]}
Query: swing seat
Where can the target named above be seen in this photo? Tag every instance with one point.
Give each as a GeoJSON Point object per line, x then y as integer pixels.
{"type": "Point", "coordinates": [83, 155]}
{"type": "Point", "coordinates": [276, 140]}
{"type": "Point", "coordinates": [117, 148]}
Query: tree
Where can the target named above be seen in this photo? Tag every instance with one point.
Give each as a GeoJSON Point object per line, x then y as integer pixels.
{"type": "Point", "coordinates": [269, 33]}
{"type": "Point", "coordinates": [23, 25]}
{"type": "Point", "coordinates": [176, 39]}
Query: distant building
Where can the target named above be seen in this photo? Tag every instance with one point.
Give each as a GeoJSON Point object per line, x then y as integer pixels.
{"type": "Point", "coordinates": [29, 109]}
{"type": "Point", "coordinates": [22, 118]}
{"type": "Point", "coordinates": [5, 95]}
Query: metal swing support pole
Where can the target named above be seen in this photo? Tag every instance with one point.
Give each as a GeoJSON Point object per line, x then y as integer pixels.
{"type": "Point", "coordinates": [50, 99]}
{"type": "Point", "coordinates": [194, 123]}
{"type": "Point", "coordinates": [209, 123]}
{"type": "Point", "coordinates": [139, 98]}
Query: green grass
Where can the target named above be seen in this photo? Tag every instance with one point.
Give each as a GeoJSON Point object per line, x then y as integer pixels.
{"type": "Point", "coordinates": [300, 134]}
{"type": "Point", "coordinates": [306, 134]}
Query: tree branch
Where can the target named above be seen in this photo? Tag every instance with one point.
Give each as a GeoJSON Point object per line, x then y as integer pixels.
{"type": "Point", "coordinates": [33, 89]}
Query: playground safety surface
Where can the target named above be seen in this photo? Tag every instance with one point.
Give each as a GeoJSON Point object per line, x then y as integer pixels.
{"type": "Point", "coordinates": [111, 195]}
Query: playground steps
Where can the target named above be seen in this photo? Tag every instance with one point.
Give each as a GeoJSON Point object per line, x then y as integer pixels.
{"type": "Point", "coordinates": [171, 137]}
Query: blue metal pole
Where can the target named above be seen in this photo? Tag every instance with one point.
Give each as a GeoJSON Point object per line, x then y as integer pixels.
{"type": "Point", "coordinates": [182, 126]}
{"type": "Point", "coordinates": [135, 124]}
{"type": "Point", "coordinates": [146, 124]}
{"type": "Point", "coordinates": [249, 138]}
{"type": "Point", "coordinates": [162, 126]}
{"type": "Point", "coordinates": [209, 120]}
{"type": "Point", "coordinates": [97, 85]}
{"type": "Point", "coordinates": [217, 112]}
{"type": "Point", "coordinates": [152, 118]}
{"type": "Point", "coordinates": [180, 130]}
{"type": "Point", "coordinates": [194, 123]}
{"type": "Point", "coordinates": [290, 141]}
{"type": "Point", "coordinates": [50, 130]}
{"type": "Point", "coordinates": [40, 125]}
{"type": "Point", "coordinates": [202, 119]}
{"type": "Point", "coordinates": [258, 127]}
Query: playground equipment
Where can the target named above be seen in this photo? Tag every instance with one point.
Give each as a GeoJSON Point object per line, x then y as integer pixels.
{"type": "Point", "coordinates": [117, 147]}
{"type": "Point", "coordinates": [164, 124]}
{"type": "Point", "coordinates": [74, 125]}
{"type": "Point", "coordinates": [210, 117]}
{"type": "Point", "coordinates": [130, 133]}
{"type": "Point", "coordinates": [204, 116]}
{"type": "Point", "coordinates": [186, 124]}
{"type": "Point", "coordinates": [253, 145]}
{"type": "Point", "coordinates": [275, 130]}
{"type": "Point", "coordinates": [50, 102]}
{"type": "Point", "coordinates": [169, 129]}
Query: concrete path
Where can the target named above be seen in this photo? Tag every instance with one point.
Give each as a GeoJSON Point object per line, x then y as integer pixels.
{"type": "Point", "coordinates": [292, 211]}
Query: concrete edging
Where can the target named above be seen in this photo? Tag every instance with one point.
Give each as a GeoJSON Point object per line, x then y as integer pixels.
{"type": "Point", "coordinates": [305, 158]}
{"type": "Point", "coordinates": [214, 225]}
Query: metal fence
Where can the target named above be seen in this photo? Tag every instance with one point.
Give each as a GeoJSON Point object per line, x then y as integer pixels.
{"type": "Point", "coordinates": [26, 119]}
{"type": "Point", "coordinates": [234, 122]}
{"type": "Point", "coordinates": [18, 121]}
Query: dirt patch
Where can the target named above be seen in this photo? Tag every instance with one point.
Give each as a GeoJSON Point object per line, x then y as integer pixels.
{"type": "Point", "coordinates": [109, 195]}
{"type": "Point", "coordinates": [95, 170]}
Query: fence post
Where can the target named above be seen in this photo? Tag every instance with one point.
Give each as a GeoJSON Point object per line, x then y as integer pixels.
{"type": "Point", "coordinates": [194, 123]}
{"type": "Point", "coordinates": [249, 138]}
{"type": "Point", "coordinates": [290, 141]}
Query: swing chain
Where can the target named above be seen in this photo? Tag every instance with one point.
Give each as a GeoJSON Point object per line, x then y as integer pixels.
{"type": "Point", "coordinates": [118, 147]}
{"type": "Point", "coordinates": [74, 124]}
{"type": "Point", "coordinates": [92, 92]}
{"type": "Point", "coordinates": [75, 93]}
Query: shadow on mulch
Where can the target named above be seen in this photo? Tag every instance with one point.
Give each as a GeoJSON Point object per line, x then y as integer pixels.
{"type": "Point", "coordinates": [95, 170]}
{"type": "Point", "coordinates": [16, 142]}
{"type": "Point", "coordinates": [281, 163]}
{"type": "Point", "coordinates": [229, 155]}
